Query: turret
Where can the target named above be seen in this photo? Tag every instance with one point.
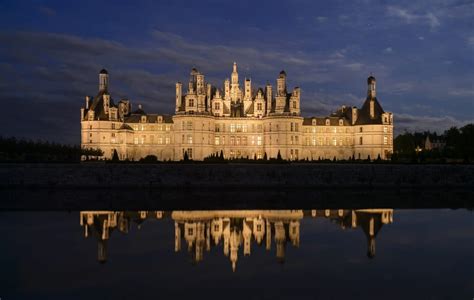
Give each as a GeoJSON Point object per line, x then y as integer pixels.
{"type": "Point", "coordinates": [248, 89]}
{"type": "Point", "coordinates": [371, 87]}
{"type": "Point", "coordinates": [179, 95]}
{"type": "Point", "coordinates": [103, 80]}
{"type": "Point", "coordinates": [281, 84]}
{"type": "Point", "coordinates": [268, 93]}
{"type": "Point", "coordinates": [235, 75]}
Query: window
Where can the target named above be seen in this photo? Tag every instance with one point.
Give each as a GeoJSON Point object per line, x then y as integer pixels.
{"type": "Point", "coordinates": [360, 141]}
{"type": "Point", "coordinates": [160, 140]}
{"type": "Point", "coordinates": [216, 140]}
{"type": "Point", "coordinates": [216, 227]}
{"type": "Point", "coordinates": [237, 140]}
{"type": "Point", "coordinates": [385, 129]}
{"type": "Point", "coordinates": [190, 231]}
{"type": "Point", "coordinates": [291, 127]}
{"type": "Point", "coordinates": [327, 122]}
{"type": "Point", "coordinates": [217, 128]}
{"type": "Point", "coordinates": [244, 141]}
{"type": "Point", "coordinates": [244, 128]}
{"type": "Point", "coordinates": [385, 140]}
{"type": "Point", "coordinates": [294, 104]}
{"type": "Point", "coordinates": [360, 129]}
{"type": "Point", "coordinates": [142, 141]}
{"type": "Point", "coordinates": [113, 125]}
{"type": "Point", "coordinates": [189, 139]}
{"type": "Point", "coordinates": [189, 125]}
{"type": "Point", "coordinates": [239, 127]}
{"type": "Point", "coordinates": [259, 140]}
{"type": "Point", "coordinates": [259, 227]}
{"type": "Point", "coordinates": [135, 141]}
{"type": "Point", "coordinates": [334, 141]}
{"type": "Point", "coordinates": [217, 106]}
{"type": "Point", "coordinates": [313, 142]}
{"type": "Point", "coordinates": [341, 122]}
{"type": "Point", "coordinates": [167, 140]}
{"type": "Point", "coordinates": [191, 102]}
{"type": "Point", "coordinates": [168, 127]}
{"type": "Point", "coordinates": [90, 127]}
{"type": "Point", "coordinates": [232, 127]}
{"type": "Point", "coordinates": [259, 106]}
{"type": "Point", "coordinates": [190, 153]}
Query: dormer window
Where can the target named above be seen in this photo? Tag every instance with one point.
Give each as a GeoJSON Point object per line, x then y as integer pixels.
{"type": "Point", "coordinates": [143, 119]}
{"type": "Point", "coordinates": [327, 122]}
{"type": "Point", "coordinates": [160, 119]}
{"type": "Point", "coordinates": [341, 122]}
{"type": "Point", "coordinates": [313, 122]}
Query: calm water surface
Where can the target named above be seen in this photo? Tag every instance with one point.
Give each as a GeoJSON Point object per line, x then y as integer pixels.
{"type": "Point", "coordinates": [240, 254]}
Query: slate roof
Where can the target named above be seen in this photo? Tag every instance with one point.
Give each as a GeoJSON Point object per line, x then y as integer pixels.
{"type": "Point", "coordinates": [363, 114]}
{"type": "Point", "coordinates": [98, 106]}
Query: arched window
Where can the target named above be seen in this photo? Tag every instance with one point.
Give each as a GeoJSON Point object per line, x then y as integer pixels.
{"type": "Point", "coordinates": [360, 140]}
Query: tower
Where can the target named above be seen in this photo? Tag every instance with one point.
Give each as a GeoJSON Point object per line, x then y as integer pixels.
{"type": "Point", "coordinates": [371, 87]}
{"type": "Point", "coordinates": [103, 80]}
{"type": "Point", "coordinates": [179, 95]}
{"type": "Point", "coordinates": [281, 84]}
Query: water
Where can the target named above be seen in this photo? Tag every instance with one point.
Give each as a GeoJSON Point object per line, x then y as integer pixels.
{"type": "Point", "coordinates": [311, 253]}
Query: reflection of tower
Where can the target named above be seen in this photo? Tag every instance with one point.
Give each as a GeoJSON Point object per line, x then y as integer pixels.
{"type": "Point", "coordinates": [280, 239]}
{"type": "Point", "coordinates": [371, 221]}
{"type": "Point", "coordinates": [177, 237]}
{"type": "Point", "coordinates": [102, 251]}
{"type": "Point", "coordinates": [269, 235]}
{"type": "Point", "coordinates": [258, 229]}
{"type": "Point", "coordinates": [247, 233]}
{"type": "Point", "coordinates": [294, 233]}
{"type": "Point", "coordinates": [234, 247]}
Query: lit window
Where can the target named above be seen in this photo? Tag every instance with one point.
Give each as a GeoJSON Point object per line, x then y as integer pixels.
{"type": "Point", "coordinates": [167, 140]}
{"type": "Point", "coordinates": [385, 129]}
{"type": "Point", "coordinates": [232, 127]}
{"type": "Point", "coordinates": [135, 141]}
{"type": "Point", "coordinates": [259, 140]}
{"type": "Point", "coordinates": [216, 140]}
{"type": "Point", "coordinates": [334, 142]}
{"type": "Point", "coordinates": [190, 139]}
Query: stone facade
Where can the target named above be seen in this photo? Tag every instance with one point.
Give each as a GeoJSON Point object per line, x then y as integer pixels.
{"type": "Point", "coordinates": [238, 121]}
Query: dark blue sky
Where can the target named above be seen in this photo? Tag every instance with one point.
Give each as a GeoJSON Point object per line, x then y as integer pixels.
{"type": "Point", "coordinates": [421, 52]}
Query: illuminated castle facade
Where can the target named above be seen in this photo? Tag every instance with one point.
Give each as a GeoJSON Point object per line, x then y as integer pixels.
{"type": "Point", "coordinates": [239, 121]}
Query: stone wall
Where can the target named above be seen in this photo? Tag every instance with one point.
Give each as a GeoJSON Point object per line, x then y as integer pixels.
{"type": "Point", "coordinates": [219, 176]}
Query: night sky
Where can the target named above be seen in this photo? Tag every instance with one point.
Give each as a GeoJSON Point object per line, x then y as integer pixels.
{"type": "Point", "coordinates": [421, 52]}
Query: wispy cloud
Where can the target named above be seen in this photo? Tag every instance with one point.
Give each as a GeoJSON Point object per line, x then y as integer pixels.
{"type": "Point", "coordinates": [412, 18]}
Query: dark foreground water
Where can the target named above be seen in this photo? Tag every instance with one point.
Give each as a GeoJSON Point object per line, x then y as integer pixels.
{"type": "Point", "coordinates": [238, 254]}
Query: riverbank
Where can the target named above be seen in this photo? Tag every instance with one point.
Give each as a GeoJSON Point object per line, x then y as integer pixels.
{"type": "Point", "coordinates": [225, 176]}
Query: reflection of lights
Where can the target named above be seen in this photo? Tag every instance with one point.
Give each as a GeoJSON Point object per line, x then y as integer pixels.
{"type": "Point", "coordinates": [418, 149]}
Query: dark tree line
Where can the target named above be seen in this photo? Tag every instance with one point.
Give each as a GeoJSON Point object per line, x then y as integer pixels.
{"type": "Point", "coordinates": [458, 145]}
{"type": "Point", "coordinates": [19, 150]}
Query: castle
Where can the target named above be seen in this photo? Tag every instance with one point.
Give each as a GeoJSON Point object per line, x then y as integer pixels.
{"type": "Point", "coordinates": [239, 122]}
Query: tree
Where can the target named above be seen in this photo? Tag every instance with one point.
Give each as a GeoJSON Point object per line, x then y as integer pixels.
{"type": "Point", "coordinates": [265, 156]}
{"type": "Point", "coordinates": [279, 156]}
{"type": "Point", "coordinates": [222, 155]}
{"type": "Point", "coordinates": [185, 156]}
{"type": "Point", "coordinates": [115, 156]}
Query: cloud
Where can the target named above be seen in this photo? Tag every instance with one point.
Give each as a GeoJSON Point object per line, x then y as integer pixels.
{"type": "Point", "coordinates": [411, 18]}
{"type": "Point", "coordinates": [388, 50]}
{"type": "Point", "coordinates": [321, 19]}
{"type": "Point", "coordinates": [470, 41]}
{"type": "Point", "coordinates": [424, 123]}
{"type": "Point", "coordinates": [47, 11]}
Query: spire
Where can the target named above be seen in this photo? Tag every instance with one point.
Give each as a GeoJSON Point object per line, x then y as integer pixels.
{"type": "Point", "coordinates": [234, 69]}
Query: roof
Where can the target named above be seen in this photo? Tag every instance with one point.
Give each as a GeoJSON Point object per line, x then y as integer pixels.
{"type": "Point", "coordinates": [370, 79]}
{"type": "Point", "coordinates": [321, 121]}
{"type": "Point", "coordinates": [98, 106]}
{"type": "Point", "coordinates": [103, 71]}
{"type": "Point", "coordinates": [151, 118]}
{"type": "Point", "coordinates": [363, 114]}
{"type": "Point", "coordinates": [125, 127]}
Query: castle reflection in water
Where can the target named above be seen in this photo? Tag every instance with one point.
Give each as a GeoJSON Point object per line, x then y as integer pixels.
{"type": "Point", "coordinates": [233, 229]}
